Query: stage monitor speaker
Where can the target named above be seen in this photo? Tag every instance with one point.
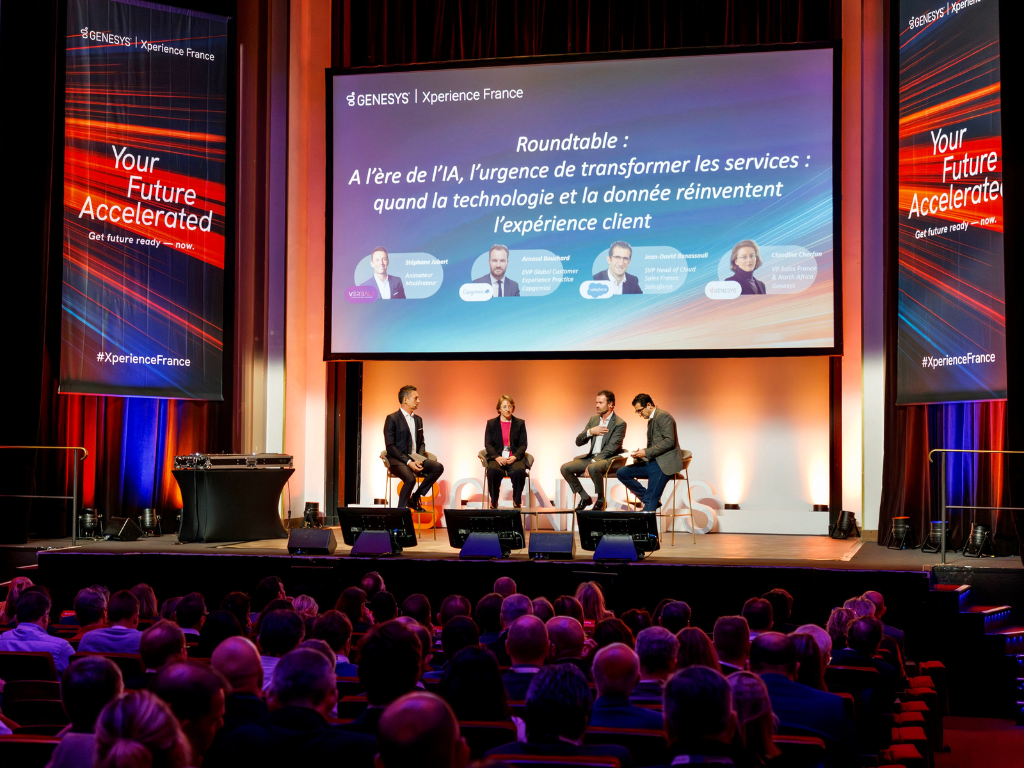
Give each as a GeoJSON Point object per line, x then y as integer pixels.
{"type": "Point", "coordinates": [552, 546]}
{"type": "Point", "coordinates": [121, 529]}
{"type": "Point", "coordinates": [482, 546]}
{"type": "Point", "coordinates": [618, 547]}
{"type": "Point", "coordinates": [374, 544]}
{"type": "Point", "coordinates": [311, 541]}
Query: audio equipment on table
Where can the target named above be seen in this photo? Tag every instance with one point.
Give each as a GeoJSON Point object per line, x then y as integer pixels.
{"type": "Point", "coordinates": [233, 461]}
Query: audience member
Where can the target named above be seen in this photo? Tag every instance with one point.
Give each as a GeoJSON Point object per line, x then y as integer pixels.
{"type": "Point", "coordinates": [616, 671]}
{"type": "Point", "coordinates": [458, 633]}
{"type": "Point", "coordinates": [773, 658]}
{"type": "Point", "coordinates": [140, 730]}
{"type": "Point", "coordinates": [758, 613]}
{"type": "Point", "coordinates": [161, 645]}
{"type": "Point", "coordinates": [86, 687]}
{"type": "Point", "coordinates": [426, 639]}
{"type": "Point", "coordinates": [33, 615]}
{"type": "Point", "coordinates": [543, 609]}
{"type": "Point", "coordinates": [656, 616]}
{"type": "Point", "coordinates": [782, 609]}
{"type": "Point", "coordinates": [383, 607]}
{"type": "Point", "coordinates": [335, 628]}
{"type": "Point", "coordinates": [240, 606]}
{"type": "Point", "coordinates": [390, 665]}
{"type": "Point", "coordinates": [122, 636]}
{"type": "Point", "coordinates": [169, 608]}
{"type": "Point", "coordinates": [567, 605]}
{"type": "Point", "coordinates": [557, 710]}
{"type": "Point", "coordinates": [657, 649]}
{"type": "Point", "coordinates": [417, 607]}
{"type": "Point", "coordinates": [675, 616]}
{"type": "Point", "coordinates": [190, 614]}
{"type": "Point", "coordinates": [268, 590]}
{"type": "Point", "coordinates": [7, 608]}
{"type": "Point", "coordinates": [696, 650]}
{"type": "Point", "coordinates": [147, 602]}
{"type": "Point", "coordinates": [822, 638]}
{"type": "Point", "coordinates": [880, 609]}
{"type": "Point", "coordinates": [529, 648]}
{"type": "Point", "coordinates": [281, 631]}
{"type": "Point", "coordinates": [218, 627]}
{"type": "Point", "coordinates": [488, 617]}
{"type": "Point", "coordinates": [810, 671]}
{"type": "Point", "coordinates": [320, 646]}
{"type": "Point", "coordinates": [305, 606]}
{"type": "Point", "coordinates": [352, 603]}
{"type": "Point", "coordinates": [505, 586]}
{"type": "Point", "coordinates": [279, 604]}
{"type": "Point", "coordinates": [838, 621]}
{"type": "Point", "coordinates": [754, 719]}
{"type": "Point", "coordinates": [864, 635]}
{"type": "Point", "coordinates": [512, 607]}
{"type": "Point", "coordinates": [567, 641]}
{"type": "Point", "coordinates": [612, 631]}
{"type": "Point", "coordinates": [195, 693]}
{"type": "Point", "coordinates": [731, 637]}
{"type": "Point", "coordinates": [591, 598]}
{"type": "Point", "coordinates": [372, 583]}
{"type": "Point", "coordinates": [452, 606]}
{"type": "Point", "coordinates": [637, 620]}
{"type": "Point", "coordinates": [699, 719]}
{"type": "Point", "coordinates": [419, 730]}
{"type": "Point", "coordinates": [238, 660]}
{"type": "Point", "coordinates": [860, 606]}
{"type": "Point", "coordinates": [90, 611]}
{"type": "Point", "coordinates": [472, 686]}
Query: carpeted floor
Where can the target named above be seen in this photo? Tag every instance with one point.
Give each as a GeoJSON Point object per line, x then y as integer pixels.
{"type": "Point", "coordinates": [978, 742]}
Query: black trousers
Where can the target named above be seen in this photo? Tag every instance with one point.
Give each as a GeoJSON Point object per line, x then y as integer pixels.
{"type": "Point", "coordinates": [431, 471]}
{"type": "Point", "coordinates": [516, 472]}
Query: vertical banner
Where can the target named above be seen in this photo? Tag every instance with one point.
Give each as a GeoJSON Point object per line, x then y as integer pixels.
{"type": "Point", "coordinates": [145, 145]}
{"type": "Point", "coordinates": [952, 320]}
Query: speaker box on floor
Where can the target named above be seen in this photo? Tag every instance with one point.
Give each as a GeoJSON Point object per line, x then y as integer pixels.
{"type": "Point", "coordinates": [311, 541]}
{"type": "Point", "coordinates": [552, 546]}
{"type": "Point", "coordinates": [121, 529]}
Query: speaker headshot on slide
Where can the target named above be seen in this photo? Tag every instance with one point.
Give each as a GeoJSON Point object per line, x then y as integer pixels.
{"type": "Point", "coordinates": [403, 437]}
{"type": "Point", "coordinates": [505, 446]}
{"type": "Point", "coordinates": [746, 257]}
{"type": "Point", "coordinates": [497, 262]}
{"type": "Point", "coordinates": [619, 256]}
{"type": "Point", "coordinates": [659, 461]}
{"type": "Point", "coordinates": [388, 286]}
{"type": "Point", "coordinates": [604, 432]}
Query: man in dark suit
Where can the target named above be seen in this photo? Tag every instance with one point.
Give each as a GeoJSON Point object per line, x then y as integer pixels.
{"type": "Point", "coordinates": [161, 645]}
{"type": "Point", "coordinates": [616, 672]}
{"type": "Point", "coordinates": [420, 729]}
{"type": "Point", "coordinates": [773, 657]}
{"type": "Point", "coordinates": [557, 709]}
{"type": "Point", "coordinates": [390, 665]}
{"type": "Point", "coordinates": [388, 286]}
{"type": "Point", "coordinates": [699, 719]}
{"type": "Point", "coordinates": [238, 660]}
{"type": "Point", "coordinates": [512, 607]}
{"type": "Point", "coordinates": [529, 649]}
{"type": "Point", "coordinates": [568, 640]}
{"type": "Point", "coordinates": [604, 433]}
{"type": "Point", "coordinates": [657, 649]}
{"type": "Point", "coordinates": [497, 263]}
{"type": "Point", "coordinates": [863, 637]}
{"type": "Point", "coordinates": [403, 436]}
{"type": "Point", "coordinates": [732, 643]}
{"type": "Point", "coordinates": [879, 601]}
{"type": "Point", "coordinates": [619, 256]}
{"type": "Point", "coordinates": [659, 461]}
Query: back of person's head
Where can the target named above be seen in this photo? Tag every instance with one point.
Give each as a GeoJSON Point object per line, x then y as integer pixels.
{"type": "Point", "coordinates": [696, 650]}
{"type": "Point", "coordinates": [567, 605]}
{"type": "Point", "coordinates": [591, 598]}
{"type": "Point", "coordinates": [698, 705]}
{"type": "Point", "coordinates": [773, 652]}
{"type": "Point", "coordinates": [616, 670]}
{"type": "Point", "coordinates": [280, 632]}
{"type": "Point", "coordinates": [271, 588]}
{"type": "Point", "coordinates": [811, 670]}
{"type": "Point", "coordinates": [528, 641]}
{"type": "Point", "coordinates": [657, 649]}
{"type": "Point", "coordinates": [543, 609]}
{"type": "Point", "coordinates": [350, 602]}
{"type": "Point", "coordinates": [90, 606]}
{"type": "Point", "coordinates": [610, 631]}
{"type": "Point", "coordinates": [160, 643]}
{"type": "Point", "coordinates": [321, 647]}
{"type": "Point", "coordinates": [390, 662]}
{"type": "Point", "coordinates": [505, 586]}
{"type": "Point", "coordinates": [754, 719]}
{"type": "Point", "coordinates": [731, 637]}
{"type": "Point", "coordinates": [864, 635]}
{"type": "Point", "coordinates": [218, 627]}
{"type": "Point", "coordinates": [567, 636]}
{"type": "Point", "coordinates": [514, 606]}
{"type": "Point", "coordinates": [123, 606]}
{"type": "Point", "coordinates": [878, 600]}
{"type": "Point", "coordinates": [372, 583]}
{"type": "Point", "coordinates": [419, 730]}
{"type": "Point", "coordinates": [838, 623]}
{"type": "Point", "coordinates": [417, 607]}
{"type": "Point", "coordinates": [425, 636]}
{"type": "Point", "coordinates": [304, 678]}
{"type": "Point", "coordinates": [675, 616]}
{"type": "Point", "coordinates": [191, 611]}
{"type": "Point", "coordinates": [239, 604]}
{"type": "Point", "coordinates": [383, 606]}
{"type": "Point", "coordinates": [557, 704]}
{"type": "Point", "coordinates": [335, 628]}
{"type": "Point", "coordinates": [139, 729]}
{"type": "Point", "coordinates": [488, 612]}
{"type": "Point", "coordinates": [452, 606]}
{"type": "Point", "coordinates": [758, 613]}
{"type": "Point", "coordinates": [87, 686]}
{"type": "Point", "coordinates": [821, 637]}
{"type": "Point", "coordinates": [459, 632]}
{"type": "Point", "coordinates": [169, 608]}
{"type": "Point", "coordinates": [860, 606]}
{"type": "Point", "coordinates": [305, 605]}
{"type": "Point", "coordinates": [147, 600]}
{"type": "Point", "coordinates": [32, 606]}
{"type": "Point", "coordinates": [15, 588]}
{"type": "Point", "coordinates": [238, 660]}
{"type": "Point", "coordinates": [472, 685]}
{"type": "Point", "coordinates": [637, 620]}
{"type": "Point", "coordinates": [782, 604]}
{"type": "Point", "coordinates": [195, 693]}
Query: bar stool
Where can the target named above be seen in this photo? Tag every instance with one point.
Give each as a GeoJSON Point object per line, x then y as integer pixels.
{"type": "Point", "coordinates": [684, 474]}
{"type": "Point", "coordinates": [614, 464]}
{"type": "Point", "coordinates": [389, 476]}
{"type": "Point", "coordinates": [528, 460]}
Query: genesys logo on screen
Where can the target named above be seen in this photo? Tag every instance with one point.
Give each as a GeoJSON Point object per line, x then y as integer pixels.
{"type": "Point", "coordinates": [947, 9]}
{"type": "Point", "coordinates": [430, 98]}
{"type": "Point", "coordinates": [112, 38]}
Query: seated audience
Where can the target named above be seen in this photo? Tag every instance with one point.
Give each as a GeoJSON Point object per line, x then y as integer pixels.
{"type": "Point", "coordinates": [90, 611]}
{"type": "Point", "coordinates": [773, 658]}
{"type": "Point", "coordinates": [591, 598]}
{"type": "Point", "coordinates": [557, 710]}
{"type": "Point", "coordinates": [863, 637]}
{"type": "Point", "coordinates": [140, 730]}
{"type": "Point", "coordinates": [147, 602]}
{"type": "Point", "coordinates": [505, 586]}
{"type": "Point", "coordinates": [810, 669]}
{"type": "Point", "coordinates": [352, 602]}
{"type": "Point", "coordinates": [426, 639]}
{"type": "Point", "coordinates": [335, 628]}
{"type": "Point", "coordinates": [240, 606]}
{"type": "Point", "coordinates": [390, 665]}
{"type": "Point", "coordinates": [383, 607]}
{"type": "Point", "coordinates": [880, 609]}
{"type": "Point", "coordinates": [86, 687]}
{"type": "Point", "coordinates": [218, 627]}
{"type": "Point", "coordinates": [419, 730]}
{"type": "Point", "coordinates": [675, 616]}
{"type": "Point", "coordinates": [838, 621]}
{"type": "Point", "coordinates": [195, 693]}
{"type": "Point", "coordinates": [306, 606]}
{"type": "Point", "coordinates": [372, 583]}
{"type": "Point", "coordinates": [612, 631]}
{"type": "Point", "coordinates": [320, 646]}
{"type": "Point", "coordinates": [238, 660]}
{"type": "Point", "coordinates": [567, 641]}
{"type": "Point", "coordinates": [529, 648]}
{"type": "Point", "coordinates": [731, 637]}
{"type": "Point", "coordinates": [7, 608]}
{"type": "Point", "coordinates": [267, 591]}
{"type": "Point", "coordinates": [543, 609]}
{"type": "Point", "coordinates": [755, 722]}
{"type": "Point", "coordinates": [656, 616]}
{"type": "Point", "coordinates": [169, 607]}
{"type": "Point", "coordinates": [696, 650]}
{"type": "Point", "coordinates": [860, 606]}
{"type": "Point", "coordinates": [699, 719]}
{"type": "Point", "coordinates": [512, 607]}
{"type": "Point", "coordinates": [782, 609]}
{"type": "Point", "coordinates": [488, 617]}
{"type": "Point", "coordinates": [616, 671]}
{"type": "Point", "coordinates": [190, 615]}
{"type": "Point", "coordinates": [122, 636]}
{"type": "Point", "coordinates": [758, 613]}
{"type": "Point", "coordinates": [472, 686]}
{"type": "Point", "coordinates": [637, 620]}
{"type": "Point", "coordinates": [657, 649]}
{"type": "Point", "coordinates": [452, 606]}
{"type": "Point", "coordinates": [458, 633]}
{"type": "Point", "coordinates": [281, 631]}
{"type": "Point", "coordinates": [567, 605]}
{"type": "Point", "coordinates": [33, 615]}
{"type": "Point", "coordinates": [418, 607]}
{"type": "Point", "coordinates": [273, 605]}
{"type": "Point", "coordinates": [161, 645]}
{"type": "Point", "coordinates": [821, 637]}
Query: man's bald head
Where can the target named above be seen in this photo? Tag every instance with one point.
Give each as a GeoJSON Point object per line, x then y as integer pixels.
{"type": "Point", "coordinates": [528, 642]}
{"type": "Point", "coordinates": [773, 652]}
{"type": "Point", "coordinates": [420, 729]}
{"type": "Point", "coordinates": [239, 661]}
{"type": "Point", "coordinates": [616, 670]}
{"type": "Point", "coordinates": [878, 600]}
{"type": "Point", "coordinates": [505, 586]}
{"type": "Point", "coordinates": [566, 634]}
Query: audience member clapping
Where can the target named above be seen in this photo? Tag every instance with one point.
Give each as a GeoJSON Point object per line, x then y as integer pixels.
{"type": "Point", "coordinates": [218, 627]}
{"type": "Point", "coordinates": [699, 719]}
{"type": "Point", "coordinates": [195, 693]}
{"type": "Point", "coordinates": [758, 613]}
{"type": "Point", "coordinates": [86, 687]}
{"type": "Point", "coordinates": [160, 645]}
{"type": "Point", "coordinates": [696, 650]}
{"type": "Point", "coordinates": [281, 631]}
{"type": "Point", "coordinates": [657, 649]}
{"type": "Point", "coordinates": [335, 629]}
{"type": "Point", "coordinates": [731, 637]}
{"type": "Point", "coordinates": [419, 730]}
{"type": "Point", "coordinates": [616, 671]}
{"type": "Point", "coordinates": [390, 665]}
{"type": "Point", "coordinates": [33, 615]}
{"type": "Point", "coordinates": [147, 601]}
{"type": "Point", "coordinates": [755, 722]}
{"type": "Point", "coordinates": [529, 648]}
{"type": "Point", "coordinates": [122, 636]}
{"type": "Point", "coordinates": [675, 616]}
{"type": "Point", "coordinates": [591, 598]}
{"type": "Point", "coordinates": [140, 730]}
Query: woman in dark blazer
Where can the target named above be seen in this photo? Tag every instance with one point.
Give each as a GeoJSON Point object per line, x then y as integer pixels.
{"type": "Point", "coordinates": [746, 257]}
{"type": "Point", "coordinates": [505, 443]}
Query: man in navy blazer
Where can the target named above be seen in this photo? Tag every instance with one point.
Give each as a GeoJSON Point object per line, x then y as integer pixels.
{"type": "Point", "coordinates": [528, 648]}
{"type": "Point", "coordinates": [497, 263]}
{"type": "Point", "coordinates": [403, 436]}
{"type": "Point", "coordinates": [388, 286]}
{"type": "Point", "coordinates": [616, 671]}
{"type": "Point", "coordinates": [619, 256]}
{"type": "Point", "coordinates": [773, 657]}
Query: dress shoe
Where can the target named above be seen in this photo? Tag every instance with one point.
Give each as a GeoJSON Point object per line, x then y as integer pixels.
{"type": "Point", "coordinates": [599, 505]}
{"type": "Point", "coordinates": [584, 503]}
{"type": "Point", "coordinates": [494, 505]}
{"type": "Point", "coordinates": [415, 505]}
{"type": "Point", "coordinates": [517, 505]}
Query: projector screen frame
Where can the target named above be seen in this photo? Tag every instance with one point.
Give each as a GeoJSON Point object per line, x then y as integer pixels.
{"type": "Point", "coordinates": [836, 350]}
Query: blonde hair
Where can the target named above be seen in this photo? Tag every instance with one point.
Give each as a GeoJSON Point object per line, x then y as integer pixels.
{"type": "Point", "coordinates": [754, 718]}
{"type": "Point", "coordinates": [838, 624]}
{"type": "Point", "coordinates": [696, 649]}
{"type": "Point", "coordinates": [745, 244]}
{"type": "Point", "coordinates": [18, 585]}
{"type": "Point", "coordinates": [305, 605]}
{"type": "Point", "coordinates": [591, 598]}
{"type": "Point", "coordinates": [502, 399]}
{"type": "Point", "coordinates": [140, 731]}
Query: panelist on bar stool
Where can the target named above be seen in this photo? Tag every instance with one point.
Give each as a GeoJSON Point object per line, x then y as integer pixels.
{"type": "Point", "coordinates": [505, 451]}
{"type": "Point", "coordinates": [605, 432]}
{"type": "Point", "coordinates": [659, 461]}
{"type": "Point", "coordinates": [400, 458]}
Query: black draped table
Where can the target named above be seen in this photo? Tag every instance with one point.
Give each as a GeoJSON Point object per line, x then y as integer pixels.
{"type": "Point", "coordinates": [231, 504]}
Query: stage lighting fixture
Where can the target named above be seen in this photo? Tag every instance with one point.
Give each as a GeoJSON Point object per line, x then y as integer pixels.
{"type": "Point", "coordinates": [89, 523]}
{"type": "Point", "coordinates": [845, 527]}
{"type": "Point", "coordinates": [934, 541]}
{"type": "Point", "coordinates": [901, 535]}
{"type": "Point", "coordinates": [732, 506]}
{"type": "Point", "coordinates": [978, 541]}
{"type": "Point", "coordinates": [149, 522]}
{"type": "Point", "coordinates": [311, 517]}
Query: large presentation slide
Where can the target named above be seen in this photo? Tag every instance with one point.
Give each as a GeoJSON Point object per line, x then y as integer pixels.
{"type": "Point", "coordinates": [952, 318]}
{"type": "Point", "coordinates": [145, 143]}
{"type": "Point", "coordinates": [617, 207]}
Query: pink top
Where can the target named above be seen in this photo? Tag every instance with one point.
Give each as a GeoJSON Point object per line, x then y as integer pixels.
{"type": "Point", "coordinates": [506, 429]}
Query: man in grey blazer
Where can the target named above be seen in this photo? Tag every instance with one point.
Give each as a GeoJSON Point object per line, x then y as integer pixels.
{"type": "Point", "coordinates": [659, 461]}
{"type": "Point", "coordinates": [604, 432]}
